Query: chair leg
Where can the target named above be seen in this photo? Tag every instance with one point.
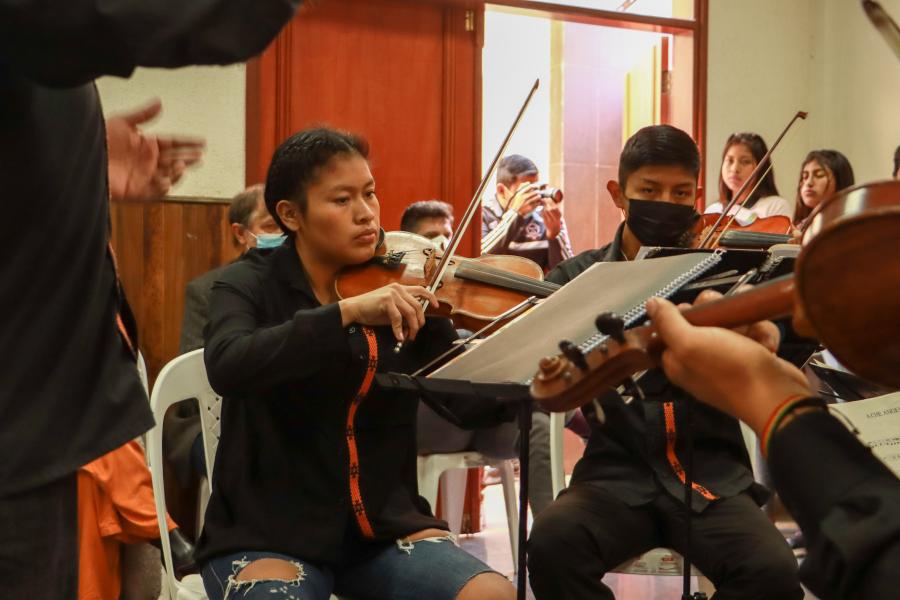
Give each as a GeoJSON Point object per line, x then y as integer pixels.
{"type": "Point", "coordinates": [557, 463]}
{"type": "Point", "coordinates": [428, 481]}
{"type": "Point", "coordinates": [508, 481]}
{"type": "Point", "coordinates": [453, 494]}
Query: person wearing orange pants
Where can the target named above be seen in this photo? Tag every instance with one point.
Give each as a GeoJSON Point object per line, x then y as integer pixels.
{"type": "Point", "coordinates": [115, 507]}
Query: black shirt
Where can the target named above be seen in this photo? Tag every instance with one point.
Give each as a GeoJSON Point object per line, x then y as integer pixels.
{"type": "Point", "coordinates": [300, 465]}
{"type": "Point", "coordinates": [70, 391]}
{"type": "Point", "coordinates": [641, 447]}
{"type": "Point", "coordinates": [847, 504]}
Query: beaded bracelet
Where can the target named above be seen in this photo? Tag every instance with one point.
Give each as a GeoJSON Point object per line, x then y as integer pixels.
{"type": "Point", "coordinates": [787, 406]}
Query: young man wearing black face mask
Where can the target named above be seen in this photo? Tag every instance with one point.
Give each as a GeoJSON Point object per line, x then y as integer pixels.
{"type": "Point", "coordinates": [626, 496]}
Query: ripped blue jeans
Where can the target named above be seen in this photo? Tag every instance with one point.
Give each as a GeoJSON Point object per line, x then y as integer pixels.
{"type": "Point", "coordinates": [433, 568]}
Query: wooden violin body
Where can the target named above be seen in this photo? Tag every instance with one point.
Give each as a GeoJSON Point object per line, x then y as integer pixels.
{"type": "Point", "coordinates": [473, 291]}
{"type": "Point", "coordinates": [845, 291]}
{"type": "Point", "coordinates": [731, 231]}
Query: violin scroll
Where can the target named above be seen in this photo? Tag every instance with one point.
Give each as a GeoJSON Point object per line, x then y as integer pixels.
{"type": "Point", "coordinates": [561, 385]}
{"type": "Point", "coordinates": [573, 378]}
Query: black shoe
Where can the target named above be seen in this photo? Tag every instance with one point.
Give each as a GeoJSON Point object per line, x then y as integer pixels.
{"type": "Point", "coordinates": [182, 553]}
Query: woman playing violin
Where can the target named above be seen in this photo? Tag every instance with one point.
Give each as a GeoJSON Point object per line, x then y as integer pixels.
{"type": "Point", "coordinates": [824, 172]}
{"type": "Point", "coordinates": [314, 484]}
{"type": "Point", "coordinates": [743, 152]}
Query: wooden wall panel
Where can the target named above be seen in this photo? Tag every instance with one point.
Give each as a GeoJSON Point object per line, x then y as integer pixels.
{"type": "Point", "coordinates": [160, 246]}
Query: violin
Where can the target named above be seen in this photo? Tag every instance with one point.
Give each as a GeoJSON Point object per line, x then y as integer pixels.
{"type": "Point", "coordinates": [472, 292]}
{"type": "Point", "coordinates": [761, 233]}
{"type": "Point", "coordinates": [710, 228]}
{"type": "Point", "coordinates": [844, 292]}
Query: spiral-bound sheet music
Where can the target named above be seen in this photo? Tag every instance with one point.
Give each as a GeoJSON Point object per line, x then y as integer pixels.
{"type": "Point", "coordinates": [513, 352]}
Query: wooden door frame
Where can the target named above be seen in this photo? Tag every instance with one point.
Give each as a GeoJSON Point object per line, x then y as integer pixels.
{"type": "Point", "coordinates": [268, 91]}
{"type": "Point", "coordinates": [268, 103]}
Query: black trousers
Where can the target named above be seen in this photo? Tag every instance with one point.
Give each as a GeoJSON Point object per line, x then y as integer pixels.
{"type": "Point", "coordinates": [587, 531]}
{"type": "Point", "coordinates": [39, 542]}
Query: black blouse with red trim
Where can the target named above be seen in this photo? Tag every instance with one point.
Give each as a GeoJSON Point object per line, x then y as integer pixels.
{"type": "Point", "coordinates": [308, 448]}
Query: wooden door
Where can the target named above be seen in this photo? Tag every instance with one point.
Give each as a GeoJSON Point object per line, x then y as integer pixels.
{"type": "Point", "coordinates": [403, 74]}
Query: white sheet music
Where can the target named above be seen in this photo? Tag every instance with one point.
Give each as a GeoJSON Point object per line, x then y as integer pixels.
{"type": "Point", "coordinates": [512, 353]}
{"type": "Point", "coordinates": [878, 422]}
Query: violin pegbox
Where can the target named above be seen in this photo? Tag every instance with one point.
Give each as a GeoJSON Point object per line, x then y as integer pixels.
{"type": "Point", "coordinates": [574, 378]}
{"type": "Point", "coordinates": [611, 325]}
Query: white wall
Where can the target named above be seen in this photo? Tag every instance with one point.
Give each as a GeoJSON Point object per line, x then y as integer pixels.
{"type": "Point", "coordinates": [201, 101]}
{"type": "Point", "coordinates": [758, 77]}
{"type": "Point", "coordinates": [860, 77]}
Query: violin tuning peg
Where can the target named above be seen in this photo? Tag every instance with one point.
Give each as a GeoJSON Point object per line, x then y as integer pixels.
{"type": "Point", "coordinates": [574, 354]}
{"type": "Point", "coordinates": [612, 325]}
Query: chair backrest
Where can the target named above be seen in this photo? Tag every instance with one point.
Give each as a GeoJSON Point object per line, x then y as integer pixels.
{"type": "Point", "coordinates": [142, 373]}
{"type": "Point", "coordinates": [183, 378]}
{"type": "Point", "coordinates": [211, 428]}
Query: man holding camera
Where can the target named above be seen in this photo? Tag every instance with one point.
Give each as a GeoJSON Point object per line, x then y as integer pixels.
{"type": "Point", "coordinates": [524, 217]}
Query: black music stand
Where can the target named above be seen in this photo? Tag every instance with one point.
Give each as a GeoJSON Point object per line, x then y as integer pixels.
{"type": "Point", "coordinates": [510, 393]}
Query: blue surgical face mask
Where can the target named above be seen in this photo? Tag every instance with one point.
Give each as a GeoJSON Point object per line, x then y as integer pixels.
{"type": "Point", "coordinates": [265, 241]}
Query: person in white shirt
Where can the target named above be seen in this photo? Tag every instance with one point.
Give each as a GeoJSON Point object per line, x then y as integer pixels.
{"type": "Point", "coordinates": [743, 151]}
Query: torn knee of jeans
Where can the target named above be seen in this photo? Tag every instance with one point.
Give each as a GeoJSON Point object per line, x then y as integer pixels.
{"type": "Point", "coordinates": [245, 585]}
{"type": "Point", "coordinates": [408, 546]}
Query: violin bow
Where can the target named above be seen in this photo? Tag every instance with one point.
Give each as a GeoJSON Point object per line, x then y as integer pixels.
{"type": "Point", "coordinates": [438, 273]}
{"type": "Point", "coordinates": [734, 214]}
{"type": "Point", "coordinates": [763, 163]}
{"type": "Point", "coordinates": [466, 220]}
{"type": "Point", "coordinates": [885, 25]}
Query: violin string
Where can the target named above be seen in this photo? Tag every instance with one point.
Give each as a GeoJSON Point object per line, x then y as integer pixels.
{"type": "Point", "coordinates": [500, 276]}
{"type": "Point", "coordinates": [511, 276]}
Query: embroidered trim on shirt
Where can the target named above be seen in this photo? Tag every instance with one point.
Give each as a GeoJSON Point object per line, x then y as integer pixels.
{"type": "Point", "coordinates": [669, 411]}
{"type": "Point", "coordinates": [359, 509]}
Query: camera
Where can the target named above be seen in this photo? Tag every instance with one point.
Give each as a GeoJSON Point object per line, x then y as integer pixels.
{"type": "Point", "coordinates": [553, 193]}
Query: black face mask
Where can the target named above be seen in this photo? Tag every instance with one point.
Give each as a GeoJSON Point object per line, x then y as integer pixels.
{"type": "Point", "coordinates": [657, 223]}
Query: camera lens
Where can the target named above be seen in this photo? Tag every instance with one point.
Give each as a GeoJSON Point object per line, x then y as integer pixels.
{"type": "Point", "coordinates": [553, 193]}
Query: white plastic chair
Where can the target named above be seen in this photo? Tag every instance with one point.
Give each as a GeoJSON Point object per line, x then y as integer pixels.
{"type": "Point", "coordinates": [182, 379]}
{"type": "Point", "coordinates": [658, 561]}
{"type": "Point", "coordinates": [142, 373]}
{"type": "Point", "coordinates": [454, 467]}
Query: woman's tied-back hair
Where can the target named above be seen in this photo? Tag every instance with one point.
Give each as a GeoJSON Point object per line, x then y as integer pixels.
{"type": "Point", "coordinates": [758, 149]}
{"type": "Point", "coordinates": [297, 162]}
